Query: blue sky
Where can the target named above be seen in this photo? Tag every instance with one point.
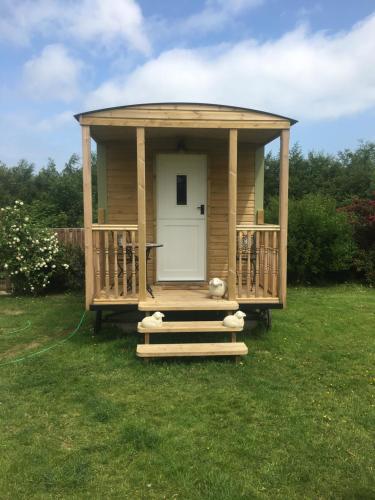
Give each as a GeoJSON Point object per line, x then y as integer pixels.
{"type": "Point", "coordinates": [313, 61]}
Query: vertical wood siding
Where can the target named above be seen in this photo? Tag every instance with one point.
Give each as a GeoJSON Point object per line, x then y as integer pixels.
{"type": "Point", "coordinates": [122, 192]}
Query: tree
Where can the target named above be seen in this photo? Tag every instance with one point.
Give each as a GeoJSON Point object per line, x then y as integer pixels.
{"type": "Point", "coordinates": [341, 176]}
{"type": "Point", "coordinates": [361, 214]}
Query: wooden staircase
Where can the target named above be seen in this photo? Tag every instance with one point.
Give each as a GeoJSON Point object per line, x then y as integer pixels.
{"type": "Point", "coordinates": [232, 348]}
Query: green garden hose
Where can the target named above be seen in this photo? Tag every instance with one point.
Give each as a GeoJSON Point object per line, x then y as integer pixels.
{"type": "Point", "coordinates": [28, 324]}
{"type": "Point", "coordinates": [37, 353]}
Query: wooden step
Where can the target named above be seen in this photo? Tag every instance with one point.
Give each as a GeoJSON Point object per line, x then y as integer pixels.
{"type": "Point", "coordinates": [189, 327]}
{"type": "Point", "coordinates": [202, 349]}
{"type": "Point", "coordinates": [188, 305]}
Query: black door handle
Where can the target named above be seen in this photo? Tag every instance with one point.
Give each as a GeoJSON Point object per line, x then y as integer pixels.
{"type": "Point", "coordinates": [201, 208]}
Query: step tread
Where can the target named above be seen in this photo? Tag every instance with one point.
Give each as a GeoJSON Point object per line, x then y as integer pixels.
{"type": "Point", "coordinates": [201, 349]}
{"type": "Point", "coordinates": [198, 305]}
{"type": "Point", "coordinates": [188, 327]}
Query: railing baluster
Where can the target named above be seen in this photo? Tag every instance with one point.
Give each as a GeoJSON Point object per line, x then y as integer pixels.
{"type": "Point", "coordinates": [257, 245]}
{"type": "Point", "coordinates": [248, 263]}
{"type": "Point", "coordinates": [115, 263]}
{"type": "Point", "coordinates": [134, 278]}
{"type": "Point", "coordinates": [274, 265]}
{"type": "Point", "coordinates": [97, 271]}
{"type": "Point", "coordinates": [106, 252]}
{"type": "Point", "coordinates": [239, 254]}
{"type": "Point", "coordinates": [274, 235]}
{"type": "Point", "coordinates": [265, 264]}
{"type": "Point", "coordinates": [261, 260]}
{"type": "Point", "coordinates": [124, 269]}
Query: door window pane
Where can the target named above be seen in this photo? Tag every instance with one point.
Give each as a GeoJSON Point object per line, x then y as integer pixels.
{"type": "Point", "coordinates": [181, 190]}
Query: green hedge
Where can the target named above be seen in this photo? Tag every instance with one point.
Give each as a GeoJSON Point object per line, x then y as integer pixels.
{"type": "Point", "coordinates": [320, 239]}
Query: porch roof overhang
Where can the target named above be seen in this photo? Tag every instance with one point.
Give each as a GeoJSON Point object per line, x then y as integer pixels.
{"type": "Point", "coordinates": [184, 120]}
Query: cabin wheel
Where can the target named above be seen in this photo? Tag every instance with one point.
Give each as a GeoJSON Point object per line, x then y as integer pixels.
{"type": "Point", "coordinates": [266, 318]}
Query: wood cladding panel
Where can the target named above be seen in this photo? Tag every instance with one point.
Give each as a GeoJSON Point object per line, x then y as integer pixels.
{"type": "Point", "coordinates": [183, 113]}
{"type": "Point", "coordinates": [122, 193]}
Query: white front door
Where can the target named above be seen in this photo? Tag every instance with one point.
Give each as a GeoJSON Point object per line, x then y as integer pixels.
{"type": "Point", "coordinates": [181, 193]}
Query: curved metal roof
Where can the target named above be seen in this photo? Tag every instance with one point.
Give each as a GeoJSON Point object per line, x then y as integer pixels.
{"type": "Point", "coordinates": [224, 106]}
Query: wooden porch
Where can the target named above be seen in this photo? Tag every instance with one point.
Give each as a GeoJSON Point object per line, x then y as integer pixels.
{"type": "Point", "coordinates": [116, 272]}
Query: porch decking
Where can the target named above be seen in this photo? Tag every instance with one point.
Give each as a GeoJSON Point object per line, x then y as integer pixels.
{"type": "Point", "coordinates": [180, 299]}
{"type": "Point", "coordinates": [185, 300]}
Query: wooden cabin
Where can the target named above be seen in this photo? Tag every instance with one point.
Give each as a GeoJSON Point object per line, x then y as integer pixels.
{"type": "Point", "coordinates": [180, 201]}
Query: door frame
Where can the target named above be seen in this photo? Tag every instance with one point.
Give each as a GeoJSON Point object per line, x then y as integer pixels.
{"type": "Point", "coordinates": [171, 151]}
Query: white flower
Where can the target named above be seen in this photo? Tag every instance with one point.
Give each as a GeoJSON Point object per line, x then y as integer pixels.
{"type": "Point", "coordinates": [26, 219]}
{"type": "Point", "coordinates": [5, 266]}
{"type": "Point", "coordinates": [53, 266]}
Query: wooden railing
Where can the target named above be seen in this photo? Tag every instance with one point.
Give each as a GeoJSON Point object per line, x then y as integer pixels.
{"type": "Point", "coordinates": [257, 261]}
{"type": "Point", "coordinates": [115, 250]}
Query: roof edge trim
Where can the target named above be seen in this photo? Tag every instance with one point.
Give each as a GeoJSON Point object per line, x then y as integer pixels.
{"type": "Point", "coordinates": [291, 120]}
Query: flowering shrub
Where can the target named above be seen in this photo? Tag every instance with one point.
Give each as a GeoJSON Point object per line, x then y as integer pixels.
{"type": "Point", "coordinates": [28, 254]}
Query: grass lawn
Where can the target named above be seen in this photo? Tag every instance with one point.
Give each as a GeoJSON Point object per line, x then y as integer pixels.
{"type": "Point", "coordinates": [88, 419]}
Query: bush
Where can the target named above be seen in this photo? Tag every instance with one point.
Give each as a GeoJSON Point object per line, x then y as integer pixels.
{"type": "Point", "coordinates": [73, 277]}
{"type": "Point", "coordinates": [29, 255]}
{"type": "Point", "coordinates": [319, 238]}
{"type": "Point", "coordinates": [361, 214]}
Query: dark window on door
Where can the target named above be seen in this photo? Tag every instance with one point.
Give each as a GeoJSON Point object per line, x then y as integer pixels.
{"type": "Point", "coordinates": [181, 189]}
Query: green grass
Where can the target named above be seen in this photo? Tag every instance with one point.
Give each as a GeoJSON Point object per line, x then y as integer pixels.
{"type": "Point", "coordinates": [89, 420]}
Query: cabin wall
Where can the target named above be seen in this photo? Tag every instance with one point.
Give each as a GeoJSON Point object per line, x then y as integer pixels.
{"type": "Point", "coordinates": [259, 178]}
{"type": "Point", "coordinates": [121, 187]}
{"type": "Point", "coordinates": [101, 167]}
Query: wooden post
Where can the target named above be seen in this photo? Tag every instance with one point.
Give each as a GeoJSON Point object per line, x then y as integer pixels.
{"type": "Point", "coordinates": [141, 183]}
{"type": "Point", "coordinates": [101, 215]}
{"type": "Point", "coordinates": [260, 216]}
{"type": "Point", "coordinates": [283, 213]}
{"type": "Point", "coordinates": [87, 214]}
{"type": "Point", "coordinates": [232, 214]}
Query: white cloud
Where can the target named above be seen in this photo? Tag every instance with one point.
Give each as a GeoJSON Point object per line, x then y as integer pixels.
{"type": "Point", "coordinates": [108, 21]}
{"type": "Point", "coordinates": [55, 121]}
{"type": "Point", "coordinates": [53, 74]}
{"type": "Point", "coordinates": [303, 74]}
{"type": "Point", "coordinates": [101, 21]}
{"type": "Point", "coordinates": [20, 18]}
{"type": "Point", "coordinates": [215, 14]}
